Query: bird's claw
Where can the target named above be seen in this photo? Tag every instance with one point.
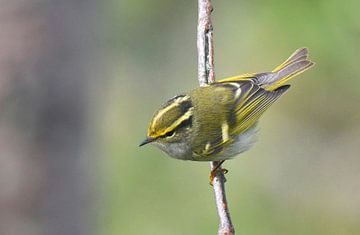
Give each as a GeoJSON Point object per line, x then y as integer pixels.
{"type": "Point", "coordinates": [216, 171]}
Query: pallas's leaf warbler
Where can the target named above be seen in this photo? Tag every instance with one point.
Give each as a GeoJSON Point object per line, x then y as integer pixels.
{"type": "Point", "coordinates": [218, 121]}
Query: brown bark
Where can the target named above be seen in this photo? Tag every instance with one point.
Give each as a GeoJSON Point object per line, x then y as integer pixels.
{"type": "Point", "coordinates": [206, 75]}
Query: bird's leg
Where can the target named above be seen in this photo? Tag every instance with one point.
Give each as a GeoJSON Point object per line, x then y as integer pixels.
{"type": "Point", "coordinates": [215, 171]}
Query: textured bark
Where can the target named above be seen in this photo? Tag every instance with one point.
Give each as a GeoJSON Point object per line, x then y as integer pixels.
{"type": "Point", "coordinates": [205, 46]}
{"type": "Point", "coordinates": [206, 75]}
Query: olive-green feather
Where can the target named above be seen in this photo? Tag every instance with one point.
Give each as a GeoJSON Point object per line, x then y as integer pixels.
{"type": "Point", "coordinates": [170, 116]}
{"type": "Point", "coordinates": [216, 112]}
{"type": "Point", "coordinates": [240, 104]}
{"type": "Point", "coordinates": [243, 99]}
{"type": "Point", "coordinates": [218, 121]}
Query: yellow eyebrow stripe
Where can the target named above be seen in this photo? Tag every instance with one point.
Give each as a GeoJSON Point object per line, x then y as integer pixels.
{"type": "Point", "coordinates": [167, 108]}
{"type": "Point", "coordinates": [184, 117]}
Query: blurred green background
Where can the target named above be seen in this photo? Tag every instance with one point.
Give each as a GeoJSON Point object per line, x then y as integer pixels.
{"type": "Point", "coordinates": [303, 175]}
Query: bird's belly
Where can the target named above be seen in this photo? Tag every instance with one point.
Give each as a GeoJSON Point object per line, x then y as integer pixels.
{"type": "Point", "coordinates": [242, 143]}
{"type": "Point", "coordinates": [183, 151]}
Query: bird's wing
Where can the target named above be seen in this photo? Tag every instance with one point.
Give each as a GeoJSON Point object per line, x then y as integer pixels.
{"type": "Point", "coordinates": [249, 101]}
{"type": "Point", "coordinates": [252, 105]}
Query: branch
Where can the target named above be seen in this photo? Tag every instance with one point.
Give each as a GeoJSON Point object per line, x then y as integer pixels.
{"type": "Point", "coordinates": [205, 46]}
{"type": "Point", "coordinates": [225, 227]}
{"type": "Point", "coordinates": [206, 75]}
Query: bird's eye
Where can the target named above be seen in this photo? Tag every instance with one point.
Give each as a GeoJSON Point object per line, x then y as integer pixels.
{"type": "Point", "coordinates": [170, 134]}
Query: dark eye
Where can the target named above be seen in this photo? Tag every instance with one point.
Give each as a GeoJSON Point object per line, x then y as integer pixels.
{"type": "Point", "coordinates": [170, 134]}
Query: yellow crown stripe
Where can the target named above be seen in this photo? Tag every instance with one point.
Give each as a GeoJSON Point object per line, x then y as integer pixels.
{"type": "Point", "coordinates": [178, 121]}
{"type": "Point", "coordinates": [174, 104]}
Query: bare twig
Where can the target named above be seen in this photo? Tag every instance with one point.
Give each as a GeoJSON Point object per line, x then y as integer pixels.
{"type": "Point", "coordinates": [225, 227]}
{"type": "Point", "coordinates": [206, 75]}
{"type": "Point", "coordinates": [206, 72]}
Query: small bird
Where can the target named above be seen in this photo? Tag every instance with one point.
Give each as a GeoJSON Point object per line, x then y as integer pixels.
{"type": "Point", "coordinates": [218, 121]}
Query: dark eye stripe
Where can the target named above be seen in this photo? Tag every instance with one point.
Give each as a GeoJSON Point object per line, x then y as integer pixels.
{"type": "Point", "coordinates": [183, 124]}
{"type": "Point", "coordinates": [170, 133]}
{"type": "Point", "coordinates": [185, 106]}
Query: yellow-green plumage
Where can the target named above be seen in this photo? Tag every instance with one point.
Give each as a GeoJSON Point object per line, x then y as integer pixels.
{"type": "Point", "coordinates": [216, 122]}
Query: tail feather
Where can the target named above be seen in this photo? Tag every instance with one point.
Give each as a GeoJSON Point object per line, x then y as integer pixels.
{"type": "Point", "coordinates": [298, 55]}
{"type": "Point", "coordinates": [297, 63]}
{"type": "Point", "coordinates": [289, 72]}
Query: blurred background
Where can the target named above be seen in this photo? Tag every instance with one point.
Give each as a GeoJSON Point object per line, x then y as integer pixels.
{"type": "Point", "coordinates": [81, 79]}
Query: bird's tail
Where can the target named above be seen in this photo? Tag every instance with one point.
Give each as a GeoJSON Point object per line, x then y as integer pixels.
{"type": "Point", "coordinates": [297, 63]}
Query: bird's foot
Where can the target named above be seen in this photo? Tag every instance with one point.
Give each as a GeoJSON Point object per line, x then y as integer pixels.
{"type": "Point", "coordinates": [217, 170]}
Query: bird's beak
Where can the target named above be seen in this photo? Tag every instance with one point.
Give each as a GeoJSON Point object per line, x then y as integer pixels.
{"type": "Point", "coordinates": [146, 141]}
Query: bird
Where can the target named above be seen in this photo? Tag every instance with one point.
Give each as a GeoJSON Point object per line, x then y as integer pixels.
{"type": "Point", "coordinates": [219, 121]}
